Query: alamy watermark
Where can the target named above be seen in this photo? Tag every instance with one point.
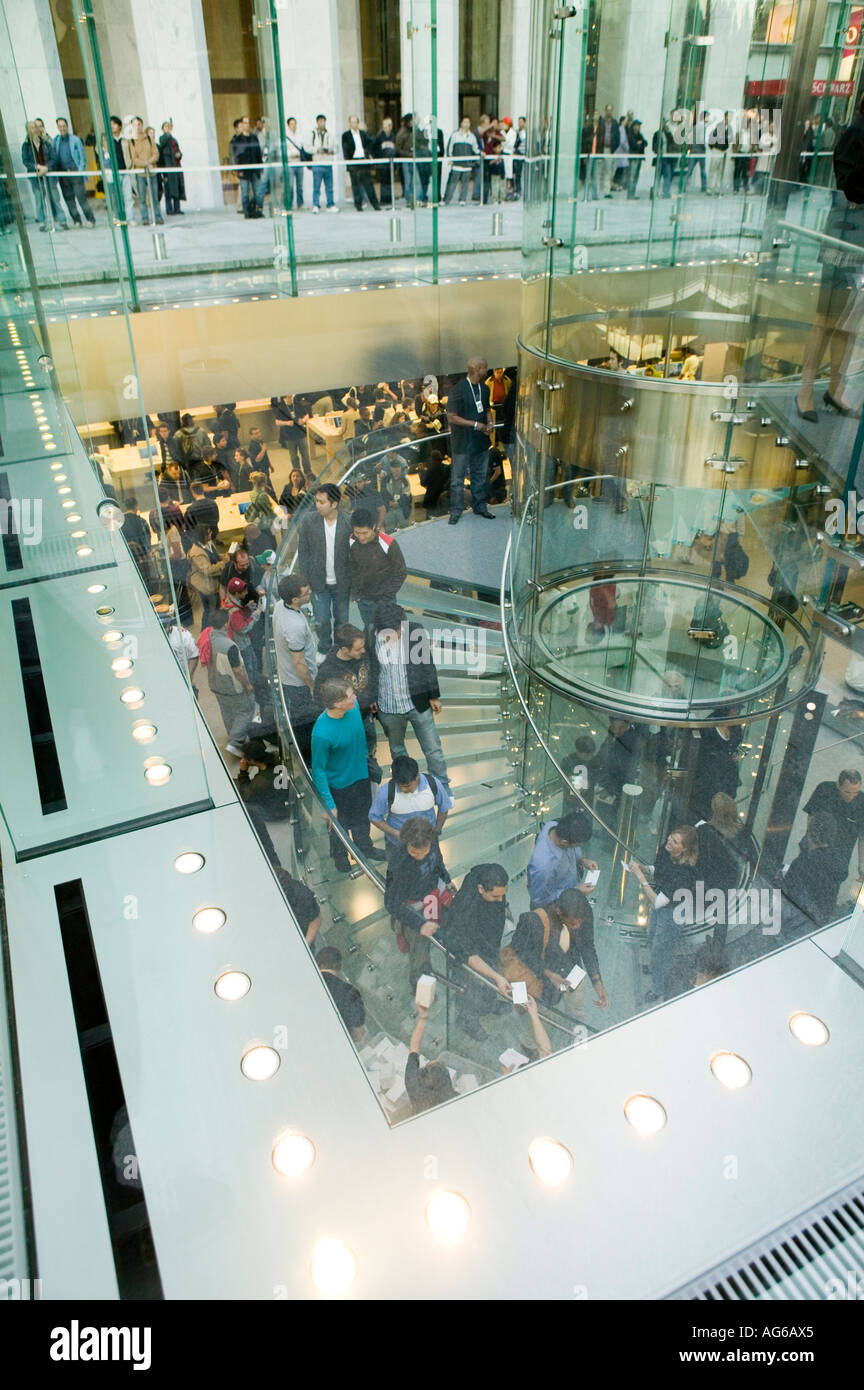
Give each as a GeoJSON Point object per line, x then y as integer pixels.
{"type": "Point", "coordinates": [844, 518]}
{"type": "Point", "coordinates": [417, 646]}
{"type": "Point", "coordinates": [21, 517]}
{"type": "Point", "coordinates": [750, 907]}
{"type": "Point", "coordinates": [755, 128]}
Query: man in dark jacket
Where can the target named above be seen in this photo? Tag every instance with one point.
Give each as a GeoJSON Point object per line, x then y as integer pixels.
{"type": "Point", "coordinates": [472, 931]}
{"type": "Point", "coordinates": [415, 873]}
{"type": "Point", "coordinates": [357, 145]}
{"type": "Point", "coordinates": [376, 564]}
{"type": "Point", "coordinates": [244, 150]}
{"type": "Point", "coordinates": [384, 149]}
{"type": "Point", "coordinates": [405, 681]}
{"type": "Point", "coordinates": [810, 884]}
{"type": "Point", "coordinates": [324, 558]}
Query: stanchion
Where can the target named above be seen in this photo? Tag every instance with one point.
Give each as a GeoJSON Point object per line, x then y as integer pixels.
{"type": "Point", "coordinates": [497, 224]}
{"type": "Point", "coordinates": [395, 229]}
{"type": "Point", "coordinates": [598, 219]}
{"type": "Point", "coordinates": [160, 250]}
{"type": "Point", "coordinates": [628, 815]}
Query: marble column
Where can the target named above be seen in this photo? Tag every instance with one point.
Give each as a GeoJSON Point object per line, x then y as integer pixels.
{"type": "Point", "coordinates": [727, 59]}
{"type": "Point", "coordinates": [309, 57]}
{"type": "Point", "coordinates": [632, 60]}
{"type": "Point", "coordinates": [513, 48]}
{"type": "Point", "coordinates": [31, 82]}
{"type": "Point", "coordinates": [154, 56]}
{"type": "Point", "coordinates": [417, 66]}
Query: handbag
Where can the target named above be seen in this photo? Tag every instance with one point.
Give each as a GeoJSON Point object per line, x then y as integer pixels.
{"type": "Point", "coordinates": [305, 156]}
{"type": "Point", "coordinates": [515, 969]}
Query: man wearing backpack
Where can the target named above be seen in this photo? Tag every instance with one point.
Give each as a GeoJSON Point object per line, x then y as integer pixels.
{"type": "Point", "coordinates": [410, 793]}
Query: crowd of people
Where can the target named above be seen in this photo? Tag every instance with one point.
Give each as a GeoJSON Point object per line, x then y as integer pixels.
{"type": "Point", "coordinates": [346, 684]}
{"type": "Point", "coordinates": [482, 162]}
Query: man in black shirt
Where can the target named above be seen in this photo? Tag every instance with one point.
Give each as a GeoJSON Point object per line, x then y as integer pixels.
{"type": "Point", "coordinates": [842, 800]}
{"type": "Point", "coordinates": [348, 999]}
{"type": "Point", "coordinates": [810, 884]}
{"type": "Point", "coordinates": [175, 482]}
{"type": "Point", "coordinates": [472, 931]}
{"type": "Point", "coordinates": [202, 509]}
{"type": "Point", "coordinates": [162, 444]}
{"type": "Point", "coordinates": [471, 422]}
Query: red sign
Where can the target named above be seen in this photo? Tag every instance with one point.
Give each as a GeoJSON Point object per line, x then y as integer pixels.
{"type": "Point", "coordinates": [776, 87]}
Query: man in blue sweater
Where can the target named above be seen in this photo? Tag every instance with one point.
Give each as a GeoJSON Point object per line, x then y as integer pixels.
{"type": "Point", "coordinates": [340, 770]}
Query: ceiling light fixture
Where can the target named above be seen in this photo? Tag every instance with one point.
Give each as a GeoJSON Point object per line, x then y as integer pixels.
{"type": "Point", "coordinates": [550, 1161]}
{"type": "Point", "coordinates": [645, 1114]}
{"type": "Point", "coordinates": [293, 1154]}
{"type": "Point", "coordinates": [232, 985]}
{"type": "Point", "coordinates": [206, 919]}
{"type": "Point", "coordinates": [731, 1070]}
{"type": "Point", "coordinates": [259, 1062]}
{"type": "Point", "coordinates": [189, 862]}
{"type": "Point", "coordinates": [448, 1215]}
{"type": "Point", "coordinates": [334, 1267]}
{"type": "Point", "coordinates": [808, 1029]}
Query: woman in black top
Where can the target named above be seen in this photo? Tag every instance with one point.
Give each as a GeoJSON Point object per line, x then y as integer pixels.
{"type": "Point", "coordinates": [293, 492]}
{"type": "Point", "coordinates": [570, 942]}
{"type": "Point", "coordinates": [672, 897]}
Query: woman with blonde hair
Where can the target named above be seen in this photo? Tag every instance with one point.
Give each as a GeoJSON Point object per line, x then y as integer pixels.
{"type": "Point", "coordinates": [672, 897]}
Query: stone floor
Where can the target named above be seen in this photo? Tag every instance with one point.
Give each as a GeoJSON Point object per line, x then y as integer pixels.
{"type": "Point", "coordinates": [214, 255]}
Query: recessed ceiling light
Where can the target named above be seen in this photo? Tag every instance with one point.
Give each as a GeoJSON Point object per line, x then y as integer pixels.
{"type": "Point", "coordinates": [143, 731]}
{"type": "Point", "coordinates": [96, 588]}
{"type": "Point", "coordinates": [448, 1215]}
{"type": "Point", "coordinates": [115, 635]}
{"type": "Point", "coordinates": [293, 1154]}
{"type": "Point", "coordinates": [122, 665]}
{"type": "Point", "coordinates": [645, 1114]}
{"type": "Point", "coordinates": [550, 1161]}
{"type": "Point", "coordinates": [808, 1029]}
{"type": "Point", "coordinates": [84, 550]}
{"type": "Point", "coordinates": [334, 1267]}
{"type": "Point", "coordinates": [70, 503]}
{"type": "Point", "coordinates": [63, 490]}
{"type": "Point", "coordinates": [731, 1070]}
{"type": "Point", "coordinates": [259, 1062]}
{"type": "Point", "coordinates": [206, 919]}
{"type": "Point", "coordinates": [189, 862]}
{"type": "Point", "coordinates": [78, 535]}
{"type": "Point", "coordinates": [157, 772]}
{"type": "Point", "coordinates": [232, 984]}
{"type": "Point", "coordinates": [132, 696]}
{"type": "Point", "coordinates": [72, 517]}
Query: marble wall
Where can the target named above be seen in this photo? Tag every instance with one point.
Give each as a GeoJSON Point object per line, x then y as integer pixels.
{"type": "Point", "coordinates": [37, 87]}
{"type": "Point", "coordinates": [416, 67]}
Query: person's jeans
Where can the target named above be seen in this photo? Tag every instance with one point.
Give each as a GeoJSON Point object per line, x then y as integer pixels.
{"type": "Point", "coordinates": [703, 173]}
{"type": "Point", "coordinates": [145, 188]}
{"type": "Point", "coordinates": [74, 192]}
{"type": "Point", "coordinates": [633, 172]}
{"type": "Point", "coordinates": [322, 174]}
{"type": "Point", "coordinates": [367, 608]}
{"type": "Point", "coordinates": [458, 180]}
{"type": "Point", "coordinates": [518, 166]}
{"type": "Point", "coordinates": [740, 173]}
{"type": "Point", "coordinates": [237, 712]}
{"type": "Point", "coordinates": [477, 466]}
{"type": "Point", "coordinates": [297, 448]}
{"type": "Point", "coordinates": [663, 934]}
{"type": "Point", "coordinates": [295, 176]}
{"type": "Point", "coordinates": [424, 172]}
{"type": "Point", "coordinates": [406, 173]}
{"type": "Point", "coordinates": [251, 192]}
{"type": "Point", "coordinates": [395, 726]}
{"type": "Point", "coordinates": [667, 169]}
{"type": "Point", "coordinates": [330, 608]}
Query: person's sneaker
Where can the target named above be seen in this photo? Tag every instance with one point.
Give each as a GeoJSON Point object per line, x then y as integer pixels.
{"type": "Point", "coordinates": [401, 942]}
{"type": "Point", "coordinates": [315, 209]}
{"type": "Point", "coordinates": [333, 208]}
{"type": "Point", "coordinates": [487, 516]}
{"type": "Point", "coordinates": [374, 853]}
{"type": "Point", "coordinates": [145, 221]}
{"type": "Point", "coordinates": [233, 750]}
{"type": "Point", "coordinates": [453, 520]}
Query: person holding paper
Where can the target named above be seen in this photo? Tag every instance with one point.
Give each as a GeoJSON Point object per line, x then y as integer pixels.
{"type": "Point", "coordinates": [427, 1085]}
{"type": "Point", "coordinates": [557, 862]}
{"type": "Point", "coordinates": [472, 931]}
{"type": "Point", "coordinates": [553, 950]}
{"type": "Point", "coordinates": [417, 891]}
{"type": "Point", "coordinates": [674, 879]}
